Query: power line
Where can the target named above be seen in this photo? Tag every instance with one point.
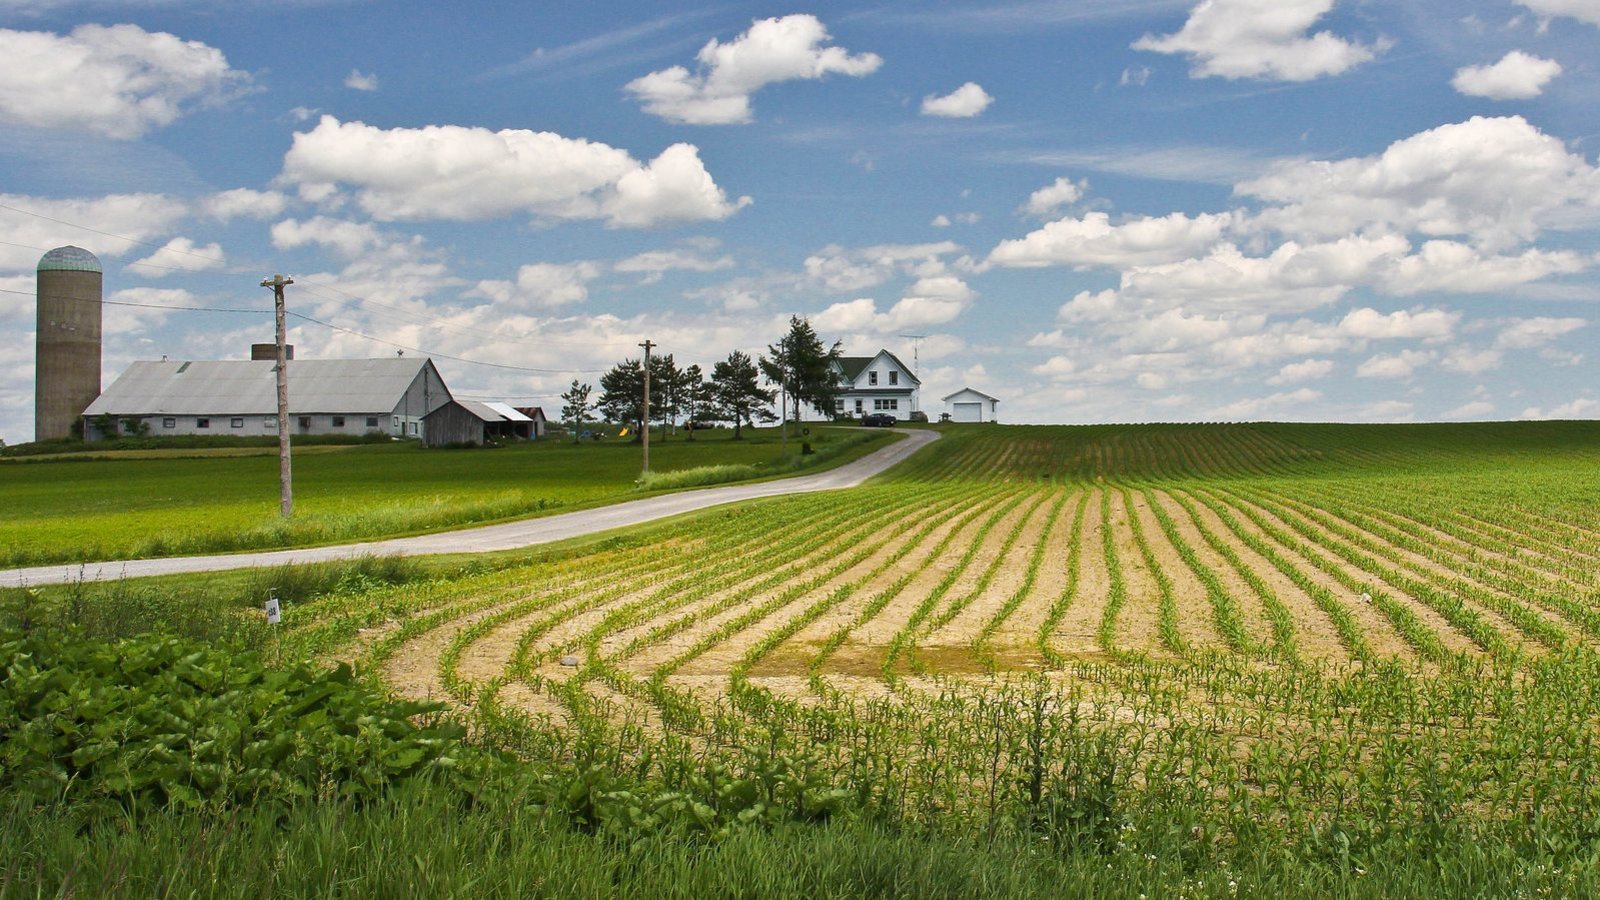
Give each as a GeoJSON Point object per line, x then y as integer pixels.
{"type": "Point", "coordinates": [238, 270]}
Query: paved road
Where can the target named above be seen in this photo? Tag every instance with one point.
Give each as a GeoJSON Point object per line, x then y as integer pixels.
{"type": "Point", "coordinates": [505, 536]}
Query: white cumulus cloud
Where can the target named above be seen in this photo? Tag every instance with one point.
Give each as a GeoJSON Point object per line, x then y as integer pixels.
{"type": "Point", "coordinates": [773, 50]}
{"type": "Point", "coordinates": [1423, 324]}
{"type": "Point", "coordinates": [544, 285]}
{"type": "Point", "coordinates": [1094, 241]}
{"type": "Point", "coordinates": [1496, 181]}
{"type": "Point", "coordinates": [181, 255]}
{"type": "Point", "coordinates": [254, 204]}
{"type": "Point", "coordinates": [1582, 10]}
{"type": "Point", "coordinates": [115, 80]}
{"type": "Point", "coordinates": [1053, 196]}
{"type": "Point", "coordinates": [1260, 39]}
{"type": "Point", "coordinates": [962, 103]}
{"type": "Point", "coordinates": [463, 173]}
{"type": "Point", "coordinates": [1517, 76]}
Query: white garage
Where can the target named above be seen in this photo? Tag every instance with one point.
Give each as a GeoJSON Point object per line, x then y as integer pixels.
{"type": "Point", "coordinates": [968, 405]}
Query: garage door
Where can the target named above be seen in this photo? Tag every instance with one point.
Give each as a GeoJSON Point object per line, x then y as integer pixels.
{"type": "Point", "coordinates": [968, 412]}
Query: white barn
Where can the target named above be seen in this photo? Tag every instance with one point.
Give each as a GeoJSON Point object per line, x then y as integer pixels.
{"type": "Point", "coordinates": [240, 397]}
{"type": "Point", "coordinates": [969, 405]}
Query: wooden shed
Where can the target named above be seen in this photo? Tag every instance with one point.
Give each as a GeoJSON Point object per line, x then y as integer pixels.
{"type": "Point", "coordinates": [462, 422]}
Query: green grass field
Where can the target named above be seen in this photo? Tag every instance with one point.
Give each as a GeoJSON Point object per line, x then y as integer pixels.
{"type": "Point", "coordinates": [1182, 660]}
{"type": "Point", "coordinates": [169, 502]}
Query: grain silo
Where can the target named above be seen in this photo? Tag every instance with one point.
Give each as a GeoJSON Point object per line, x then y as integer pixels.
{"type": "Point", "coordinates": [67, 360]}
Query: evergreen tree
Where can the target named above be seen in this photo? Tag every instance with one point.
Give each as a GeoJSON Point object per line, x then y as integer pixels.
{"type": "Point", "coordinates": [803, 368]}
{"type": "Point", "coordinates": [576, 411]}
{"type": "Point", "coordinates": [737, 392]}
{"type": "Point", "coordinates": [622, 395]}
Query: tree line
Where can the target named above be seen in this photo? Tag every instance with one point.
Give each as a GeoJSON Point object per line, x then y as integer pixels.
{"type": "Point", "coordinates": [797, 370]}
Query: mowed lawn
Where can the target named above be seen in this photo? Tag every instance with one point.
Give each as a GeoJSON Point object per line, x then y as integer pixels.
{"type": "Point", "coordinates": [70, 509]}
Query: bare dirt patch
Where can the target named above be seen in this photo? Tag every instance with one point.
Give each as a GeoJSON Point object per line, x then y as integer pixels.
{"type": "Point", "coordinates": [1010, 572]}
{"type": "Point", "coordinates": [1196, 618]}
{"type": "Point", "coordinates": [1078, 630]}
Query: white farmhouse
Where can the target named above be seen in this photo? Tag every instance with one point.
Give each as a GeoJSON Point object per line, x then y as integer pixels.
{"type": "Point", "coordinates": [968, 405]}
{"type": "Point", "coordinates": [240, 397]}
{"type": "Point", "coordinates": [876, 384]}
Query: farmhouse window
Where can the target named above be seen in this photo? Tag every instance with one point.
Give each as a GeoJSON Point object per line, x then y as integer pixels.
{"type": "Point", "coordinates": [338, 421]}
{"type": "Point", "coordinates": [872, 378]}
{"type": "Point", "coordinates": [236, 422]}
{"type": "Point", "coordinates": [202, 422]}
{"type": "Point", "coordinates": [839, 404]}
{"type": "Point", "coordinates": [858, 404]}
{"type": "Point", "coordinates": [169, 422]}
{"type": "Point", "coordinates": [894, 377]}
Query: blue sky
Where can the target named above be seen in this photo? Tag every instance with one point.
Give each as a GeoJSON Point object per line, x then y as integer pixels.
{"type": "Point", "coordinates": [1096, 211]}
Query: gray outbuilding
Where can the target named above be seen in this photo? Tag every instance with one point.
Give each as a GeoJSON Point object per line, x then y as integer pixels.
{"type": "Point", "coordinates": [388, 396]}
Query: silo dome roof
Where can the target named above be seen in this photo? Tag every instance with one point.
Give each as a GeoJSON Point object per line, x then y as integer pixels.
{"type": "Point", "coordinates": [69, 259]}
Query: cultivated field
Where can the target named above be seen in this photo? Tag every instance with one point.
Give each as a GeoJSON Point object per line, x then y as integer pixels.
{"type": "Point", "coordinates": [1204, 661]}
{"type": "Point", "coordinates": [1304, 626]}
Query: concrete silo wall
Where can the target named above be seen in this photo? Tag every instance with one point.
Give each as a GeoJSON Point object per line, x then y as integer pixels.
{"type": "Point", "coordinates": [67, 368]}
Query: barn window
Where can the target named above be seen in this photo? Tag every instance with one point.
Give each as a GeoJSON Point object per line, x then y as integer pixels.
{"type": "Point", "coordinates": [236, 422]}
{"type": "Point", "coordinates": [169, 422]}
{"type": "Point", "coordinates": [269, 422]}
{"type": "Point", "coordinates": [397, 422]}
{"type": "Point", "coordinates": [412, 426]}
{"type": "Point", "coordinates": [202, 422]}
{"type": "Point", "coordinates": [305, 421]}
{"type": "Point", "coordinates": [338, 421]}
{"type": "Point", "coordinates": [372, 421]}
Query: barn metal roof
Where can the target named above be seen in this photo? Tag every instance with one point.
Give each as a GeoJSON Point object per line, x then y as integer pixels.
{"type": "Point", "coordinates": [250, 387]}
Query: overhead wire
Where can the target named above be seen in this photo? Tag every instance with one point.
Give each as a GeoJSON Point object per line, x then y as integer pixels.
{"type": "Point", "coordinates": [364, 301]}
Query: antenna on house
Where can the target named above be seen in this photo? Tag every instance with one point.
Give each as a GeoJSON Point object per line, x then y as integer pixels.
{"type": "Point", "coordinates": [916, 351]}
{"type": "Point", "coordinates": [916, 362]}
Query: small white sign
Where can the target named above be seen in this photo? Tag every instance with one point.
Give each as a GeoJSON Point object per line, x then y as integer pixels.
{"type": "Point", "coordinates": [274, 613]}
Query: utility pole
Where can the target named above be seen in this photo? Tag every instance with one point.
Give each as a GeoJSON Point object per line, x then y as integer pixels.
{"type": "Point", "coordinates": [286, 491]}
{"type": "Point", "coordinates": [645, 431]}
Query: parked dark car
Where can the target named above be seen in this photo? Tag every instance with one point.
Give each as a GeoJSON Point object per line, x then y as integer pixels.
{"type": "Point", "coordinates": [878, 420]}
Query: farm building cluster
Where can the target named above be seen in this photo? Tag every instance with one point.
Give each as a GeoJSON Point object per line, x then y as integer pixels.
{"type": "Point", "coordinates": [398, 397]}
